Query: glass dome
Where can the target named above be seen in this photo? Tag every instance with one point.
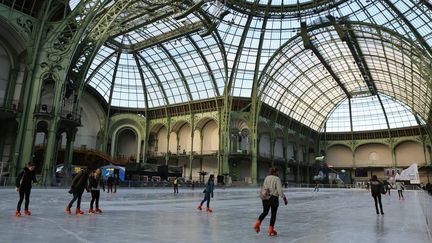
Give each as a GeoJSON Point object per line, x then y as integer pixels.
{"type": "Point", "coordinates": [176, 55]}
{"type": "Point", "coordinates": [368, 114]}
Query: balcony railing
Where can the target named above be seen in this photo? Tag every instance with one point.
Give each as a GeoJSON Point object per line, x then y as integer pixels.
{"type": "Point", "coordinates": [48, 110]}
{"type": "Point", "coordinates": [181, 153]}
{"type": "Point", "coordinates": [11, 106]}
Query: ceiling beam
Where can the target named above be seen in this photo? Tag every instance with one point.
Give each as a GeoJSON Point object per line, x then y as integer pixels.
{"type": "Point", "coordinates": [165, 37]}
{"type": "Point", "coordinates": [418, 36]}
{"type": "Point", "coordinates": [309, 45]}
{"type": "Point", "coordinates": [347, 35]}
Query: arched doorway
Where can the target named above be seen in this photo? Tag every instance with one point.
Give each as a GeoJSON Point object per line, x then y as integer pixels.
{"type": "Point", "coordinates": [126, 147]}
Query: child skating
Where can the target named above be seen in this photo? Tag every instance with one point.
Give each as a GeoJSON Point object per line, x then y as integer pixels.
{"type": "Point", "coordinates": [208, 191]}
{"type": "Point", "coordinates": [23, 186]}
{"type": "Point", "coordinates": [95, 184]}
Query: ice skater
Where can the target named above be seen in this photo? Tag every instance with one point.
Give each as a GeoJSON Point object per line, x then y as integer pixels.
{"type": "Point", "coordinates": [316, 189]}
{"type": "Point", "coordinates": [79, 183]}
{"type": "Point", "coordinates": [23, 186]}
{"type": "Point", "coordinates": [376, 188]}
{"type": "Point", "coordinates": [400, 187]}
{"type": "Point", "coordinates": [110, 182]}
{"type": "Point", "coordinates": [175, 184]}
{"type": "Point", "coordinates": [208, 191]}
{"type": "Point", "coordinates": [95, 184]}
{"type": "Point", "coordinates": [273, 184]}
{"type": "Point", "coordinates": [387, 186]}
{"type": "Point", "coordinates": [115, 182]}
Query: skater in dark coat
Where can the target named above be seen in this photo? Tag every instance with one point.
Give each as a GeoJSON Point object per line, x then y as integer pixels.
{"type": "Point", "coordinates": [208, 191]}
{"type": "Point", "coordinates": [23, 186]}
{"type": "Point", "coordinates": [376, 189]}
{"type": "Point", "coordinates": [110, 182]}
{"type": "Point", "coordinates": [95, 184]}
{"type": "Point", "coordinates": [79, 183]}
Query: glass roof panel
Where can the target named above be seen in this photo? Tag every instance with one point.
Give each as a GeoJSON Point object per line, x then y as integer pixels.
{"type": "Point", "coordinates": [190, 67]}
{"type": "Point", "coordinates": [368, 114]}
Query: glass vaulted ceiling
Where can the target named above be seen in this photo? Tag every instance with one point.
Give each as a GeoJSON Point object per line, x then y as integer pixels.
{"type": "Point", "coordinates": [370, 113]}
{"type": "Point", "coordinates": [192, 67]}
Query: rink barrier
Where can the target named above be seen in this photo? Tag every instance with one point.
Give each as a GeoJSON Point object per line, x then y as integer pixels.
{"type": "Point", "coordinates": [426, 204]}
{"type": "Point", "coordinates": [63, 183]}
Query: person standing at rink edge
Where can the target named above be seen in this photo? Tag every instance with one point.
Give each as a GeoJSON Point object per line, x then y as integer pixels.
{"type": "Point", "coordinates": [377, 188]}
{"type": "Point", "coordinates": [273, 186]}
{"type": "Point", "coordinates": [208, 191]}
{"type": "Point", "coordinates": [23, 186]}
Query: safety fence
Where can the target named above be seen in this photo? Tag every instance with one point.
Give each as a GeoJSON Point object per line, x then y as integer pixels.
{"type": "Point", "coordinates": [426, 204]}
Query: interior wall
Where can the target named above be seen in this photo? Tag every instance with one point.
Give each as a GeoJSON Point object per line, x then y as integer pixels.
{"type": "Point", "coordinates": [408, 153]}
{"type": "Point", "coordinates": [278, 149]}
{"type": "Point", "coordinates": [264, 145]}
{"type": "Point", "coordinates": [185, 138]}
{"type": "Point", "coordinates": [339, 156]}
{"type": "Point", "coordinates": [92, 116]}
{"type": "Point", "coordinates": [5, 67]}
{"type": "Point", "coordinates": [290, 151]}
{"type": "Point", "coordinates": [197, 142]}
{"type": "Point", "coordinates": [210, 137]}
{"type": "Point", "coordinates": [39, 139]}
{"type": "Point", "coordinates": [300, 154]}
{"type": "Point", "coordinates": [126, 143]}
{"type": "Point", "coordinates": [373, 155]}
{"type": "Point", "coordinates": [428, 154]}
{"type": "Point", "coordinates": [263, 169]}
{"type": "Point", "coordinates": [173, 143]}
{"type": "Point", "coordinates": [244, 169]}
{"type": "Point", "coordinates": [210, 165]}
{"type": "Point", "coordinates": [7, 139]}
{"type": "Point", "coordinates": [162, 144]}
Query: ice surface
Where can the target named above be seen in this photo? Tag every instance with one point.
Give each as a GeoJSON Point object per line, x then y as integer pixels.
{"type": "Point", "coordinates": [157, 215]}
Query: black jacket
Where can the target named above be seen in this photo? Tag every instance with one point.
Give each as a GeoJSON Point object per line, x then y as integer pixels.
{"type": "Point", "coordinates": [376, 187]}
{"type": "Point", "coordinates": [25, 179]}
{"type": "Point", "coordinates": [96, 182]}
{"type": "Point", "coordinates": [79, 182]}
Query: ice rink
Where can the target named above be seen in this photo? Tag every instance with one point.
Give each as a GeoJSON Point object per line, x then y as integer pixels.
{"type": "Point", "coordinates": [157, 215]}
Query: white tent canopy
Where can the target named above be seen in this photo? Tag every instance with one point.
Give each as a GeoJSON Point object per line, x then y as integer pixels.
{"type": "Point", "coordinates": [409, 174]}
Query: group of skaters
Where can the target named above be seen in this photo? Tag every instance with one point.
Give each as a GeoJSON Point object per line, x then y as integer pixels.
{"type": "Point", "coordinates": [86, 179]}
{"type": "Point", "coordinates": [377, 188]}
{"type": "Point", "coordinates": [272, 188]}
{"type": "Point", "coordinates": [270, 193]}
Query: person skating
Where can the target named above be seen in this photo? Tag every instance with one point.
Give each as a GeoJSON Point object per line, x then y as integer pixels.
{"type": "Point", "coordinates": [316, 189]}
{"type": "Point", "coordinates": [376, 189]}
{"type": "Point", "coordinates": [110, 182]}
{"type": "Point", "coordinates": [23, 186]}
{"type": "Point", "coordinates": [273, 184]}
{"type": "Point", "coordinates": [95, 184]}
{"type": "Point", "coordinates": [79, 183]}
{"type": "Point", "coordinates": [115, 182]}
{"type": "Point", "coordinates": [208, 191]}
{"type": "Point", "coordinates": [400, 187]}
{"type": "Point", "coordinates": [175, 183]}
{"type": "Point", "coordinates": [387, 186]}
